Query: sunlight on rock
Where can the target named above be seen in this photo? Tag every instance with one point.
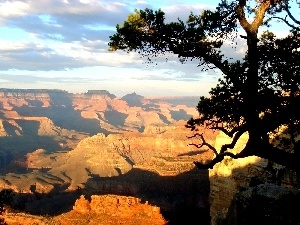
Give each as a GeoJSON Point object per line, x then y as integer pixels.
{"type": "Point", "coordinates": [222, 139]}
{"type": "Point", "coordinates": [231, 174]}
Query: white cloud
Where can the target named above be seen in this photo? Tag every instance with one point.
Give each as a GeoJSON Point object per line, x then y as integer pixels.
{"type": "Point", "coordinates": [67, 37]}
{"type": "Point", "coordinates": [13, 8]}
{"type": "Point", "coordinates": [182, 11]}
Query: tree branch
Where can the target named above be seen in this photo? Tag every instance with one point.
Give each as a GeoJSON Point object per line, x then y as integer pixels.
{"type": "Point", "coordinates": [208, 59]}
{"type": "Point", "coordinates": [231, 132]}
{"type": "Point", "coordinates": [241, 15]}
{"type": "Point", "coordinates": [286, 22]}
{"type": "Point", "coordinates": [258, 20]}
{"type": "Point", "coordinates": [291, 16]}
{"type": "Point", "coordinates": [204, 143]}
{"type": "Point", "coordinates": [236, 137]}
{"type": "Point", "coordinates": [216, 160]}
{"type": "Point", "coordinates": [263, 150]}
{"type": "Point", "coordinates": [238, 133]}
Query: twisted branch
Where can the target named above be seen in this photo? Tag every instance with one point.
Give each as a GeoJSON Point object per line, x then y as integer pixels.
{"type": "Point", "coordinates": [236, 137]}
{"type": "Point", "coordinates": [236, 133]}
{"type": "Point", "coordinates": [204, 143]}
{"type": "Point", "coordinates": [231, 132]}
{"type": "Point", "coordinates": [291, 16]}
{"type": "Point", "coordinates": [286, 22]}
{"type": "Point", "coordinates": [216, 160]}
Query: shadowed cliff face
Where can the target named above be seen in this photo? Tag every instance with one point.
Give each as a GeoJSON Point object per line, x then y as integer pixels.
{"type": "Point", "coordinates": [61, 111]}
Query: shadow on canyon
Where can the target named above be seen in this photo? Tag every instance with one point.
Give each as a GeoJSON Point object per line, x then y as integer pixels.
{"type": "Point", "coordinates": [180, 115]}
{"type": "Point", "coordinates": [62, 113]}
{"type": "Point", "coordinates": [25, 139]}
{"type": "Point", "coordinates": [16, 147]}
{"type": "Point", "coordinates": [183, 199]}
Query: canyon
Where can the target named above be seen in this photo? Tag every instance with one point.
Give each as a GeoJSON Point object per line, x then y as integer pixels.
{"type": "Point", "coordinates": [57, 146]}
{"type": "Point", "coordinates": [95, 158]}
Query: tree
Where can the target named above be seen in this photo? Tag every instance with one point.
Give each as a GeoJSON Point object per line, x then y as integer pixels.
{"type": "Point", "coordinates": [256, 95]}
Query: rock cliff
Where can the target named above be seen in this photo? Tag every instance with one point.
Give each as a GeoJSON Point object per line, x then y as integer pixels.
{"type": "Point", "coordinates": [92, 112]}
{"type": "Point", "coordinates": [230, 176]}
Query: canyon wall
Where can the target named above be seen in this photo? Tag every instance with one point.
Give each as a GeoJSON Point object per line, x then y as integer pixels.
{"type": "Point", "coordinates": [166, 153]}
{"type": "Point", "coordinates": [55, 120]}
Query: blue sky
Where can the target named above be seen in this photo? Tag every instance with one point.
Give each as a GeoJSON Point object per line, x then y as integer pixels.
{"type": "Point", "coordinates": [62, 44]}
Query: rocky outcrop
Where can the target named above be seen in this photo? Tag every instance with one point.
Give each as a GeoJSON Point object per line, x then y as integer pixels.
{"type": "Point", "coordinates": [56, 120]}
{"type": "Point", "coordinates": [100, 210]}
{"type": "Point", "coordinates": [82, 205]}
{"type": "Point", "coordinates": [133, 99]}
{"type": "Point", "coordinates": [3, 132]}
{"type": "Point", "coordinates": [265, 204]}
{"type": "Point", "coordinates": [99, 94]}
{"type": "Point", "coordinates": [116, 205]}
{"type": "Point", "coordinates": [230, 176]}
{"type": "Point", "coordinates": [97, 143]}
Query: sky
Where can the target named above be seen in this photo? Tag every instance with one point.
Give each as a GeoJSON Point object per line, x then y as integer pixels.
{"type": "Point", "coordinates": [63, 44]}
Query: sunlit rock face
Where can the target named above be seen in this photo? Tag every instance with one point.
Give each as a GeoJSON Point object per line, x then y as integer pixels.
{"type": "Point", "coordinates": [100, 209]}
{"type": "Point", "coordinates": [55, 120]}
{"type": "Point", "coordinates": [164, 150]}
{"type": "Point", "coordinates": [230, 176]}
{"type": "Point", "coordinates": [121, 206]}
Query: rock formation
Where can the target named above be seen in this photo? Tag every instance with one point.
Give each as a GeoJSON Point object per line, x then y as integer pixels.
{"type": "Point", "coordinates": [164, 150]}
{"type": "Point", "coordinates": [100, 210]}
{"type": "Point", "coordinates": [94, 111]}
{"type": "Point", "coordinates": [230, 176]}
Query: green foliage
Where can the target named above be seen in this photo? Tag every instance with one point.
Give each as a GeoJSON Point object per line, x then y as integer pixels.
{"type": "Point", "coordinates": [200, 37]}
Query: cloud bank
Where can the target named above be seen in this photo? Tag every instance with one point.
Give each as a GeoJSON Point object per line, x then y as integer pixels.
{"type": "Point", "coordinates": [67, 35]}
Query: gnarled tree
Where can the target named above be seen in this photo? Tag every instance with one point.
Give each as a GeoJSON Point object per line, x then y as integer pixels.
{"type": "Point", "coordinates": [256, 95]}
